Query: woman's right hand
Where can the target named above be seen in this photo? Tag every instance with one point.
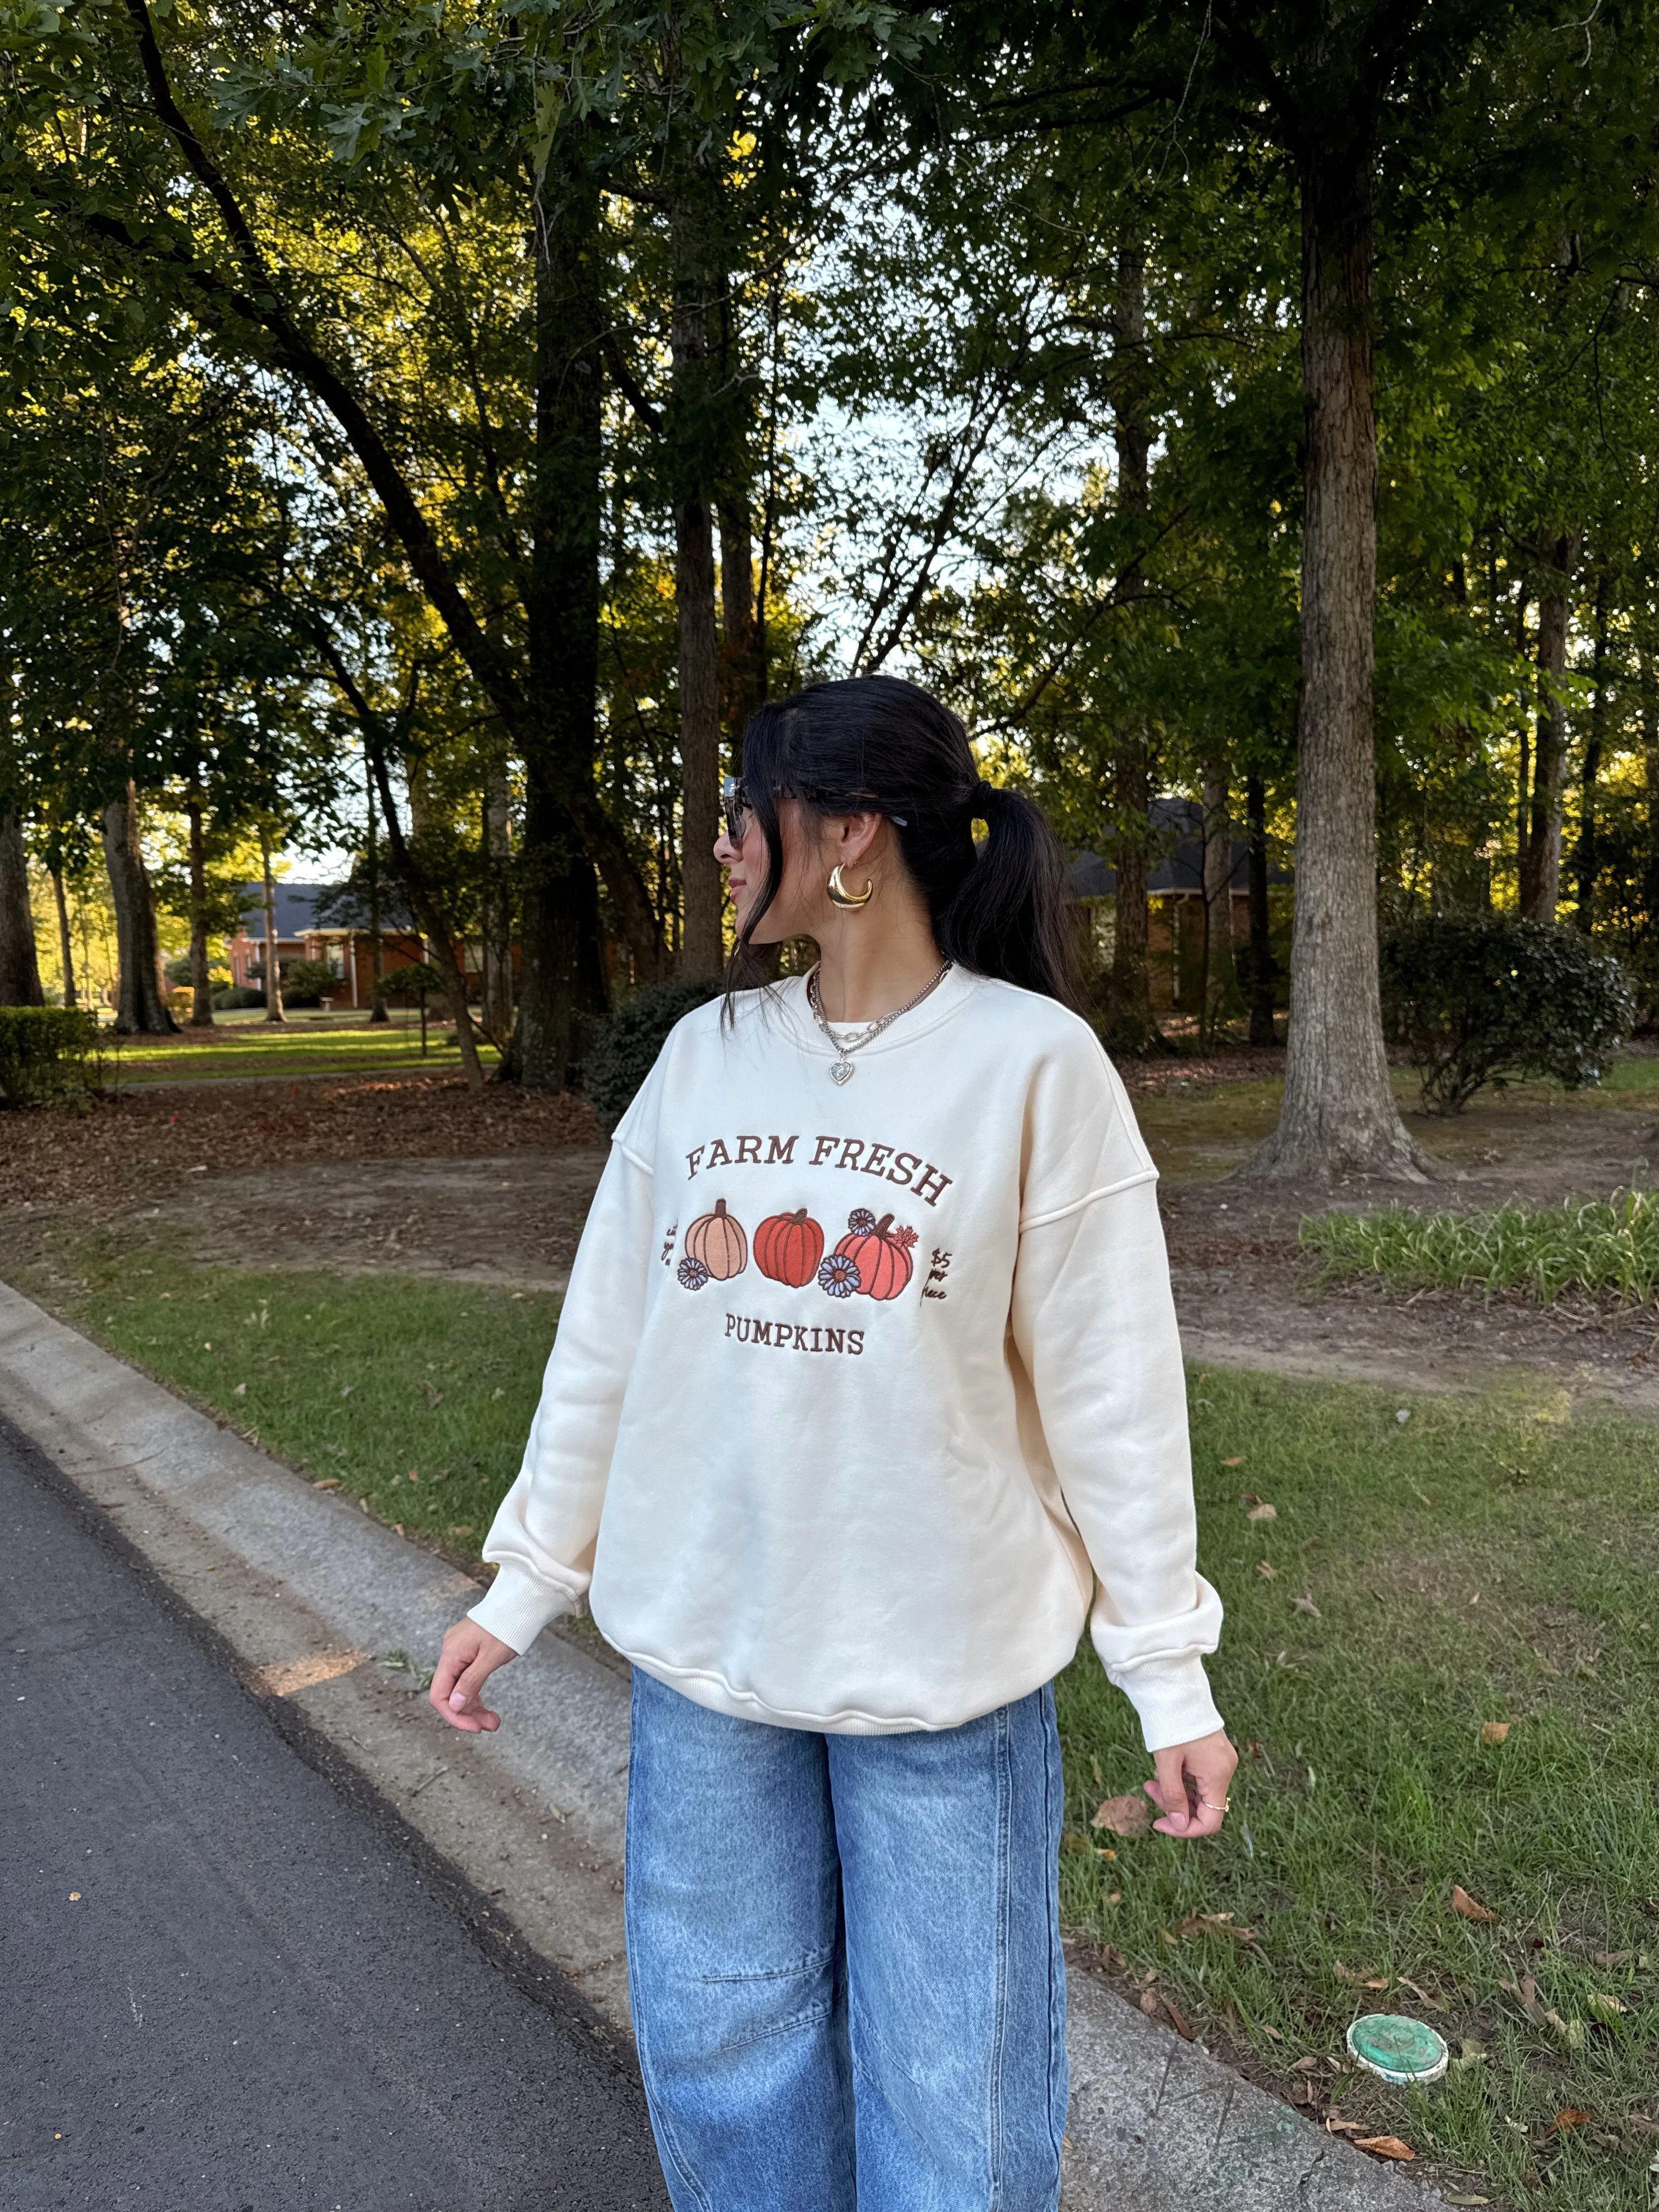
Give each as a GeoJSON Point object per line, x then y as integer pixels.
{"type": "Point", "coordinates": [469, 1656]}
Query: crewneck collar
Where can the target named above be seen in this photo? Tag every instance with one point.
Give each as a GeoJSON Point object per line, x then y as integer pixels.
{"type": "Point", "coordinates": [941, 1005]}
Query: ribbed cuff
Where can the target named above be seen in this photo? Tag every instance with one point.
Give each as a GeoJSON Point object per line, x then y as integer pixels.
{"type": "Point", "coordinates": [519, 1605]}
{"type": "Point", "coordinates": [1172, 1698]}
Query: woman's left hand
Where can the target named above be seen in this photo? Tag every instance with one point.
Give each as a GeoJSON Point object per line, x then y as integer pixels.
{"type": "Point", "coordinates": [1189, 1785]}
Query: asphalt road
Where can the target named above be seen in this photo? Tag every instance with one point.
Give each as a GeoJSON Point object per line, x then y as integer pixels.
{"type": "Point", "coordinates": [221, 1988]}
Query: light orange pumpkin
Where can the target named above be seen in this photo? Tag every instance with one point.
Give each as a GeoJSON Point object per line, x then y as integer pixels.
{"type": "Point", "coordinates": [788, 1246]}
{"type": "Point", "coordinates": [882, 1257]}
{"type": "Point", "coordinates": [718, 1242]}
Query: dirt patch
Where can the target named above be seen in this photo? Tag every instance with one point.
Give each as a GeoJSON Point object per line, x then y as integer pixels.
{"type": "Point", "coordinates": [1247, 1297]}
{"type": "Point", "coordinates": [145, 1144]}
{"type": "Point", "coordinates": [422, 1176]}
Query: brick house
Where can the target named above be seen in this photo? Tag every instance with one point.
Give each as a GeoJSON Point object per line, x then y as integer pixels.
{"type": "Point", "coordinates": [1175, 894]}
{"type": "Point", "coordinates": [347, 951]}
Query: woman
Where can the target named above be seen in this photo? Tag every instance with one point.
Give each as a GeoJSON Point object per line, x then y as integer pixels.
{"type": "Point", "coordinates": [866, 1394]}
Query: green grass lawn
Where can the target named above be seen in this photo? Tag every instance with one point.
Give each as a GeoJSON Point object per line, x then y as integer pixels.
{"type": "Point", "coordinates": [1477, 1563]}
{"type": "Point", "coordinates": [296, 1048]}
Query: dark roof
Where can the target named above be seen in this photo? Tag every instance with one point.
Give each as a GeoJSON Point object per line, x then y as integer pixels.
{"type": "Point", "coordinates": [1178, 857]}
{"type": "Point", "coordinates": [297, 908]}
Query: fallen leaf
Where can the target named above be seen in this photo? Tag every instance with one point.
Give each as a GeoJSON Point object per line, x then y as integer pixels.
{"type": "Point", "coordinates": [241, 1391]}
{"type": "Point", "coordinates": [1604, 2005]}
{"type": "Point", "coordinates": [1527, 1990]}
{"type": "Point", "coordinates": [1212, 1924]}
{"type": "Point", "coordinates": [1272, 2032]}
{"type": "Point", "coordinates": [1123, 1816]}
{"type": "Point", "coordinates": [434, 1398]}
{"type": "Point", "coordinates": [1336, 2126]}
{"type": "Point", "coordinates": [1178, 2021]}
{"type": "Point", "coordinates": [1350, 1980]}
{"type": "Point", "coordinates": [1469, 2200]}
{"type": "Point", "coordinates": [1571, 2031]}
{"type": "Point", "coordinates": [1470, 1907]}
{"type": "Point", "coordinates": [1149, 2003]}
{"type": "Point", "coordinates": [1573, 2116]}
{"type": "Point", "coordinates": [1384, 2147]}
{"type": "Point", "coordinates": [1306, 1605]}
{"type": "Point", "coordinates": [1239, 1462]}
{"type": "Point", "coordinates": [1423, 1998]}
{"type": "Point", "coordinates": [1493, 1731]}
{"type": "Point", "coordinates": [1262, 1512]}
{"type": "Point", "coordinates": [1310, 2065]}
{"type": "Point", "coordinates": [326, 1482]}
{"type": "Point", "coordinates": [1268, 1571]}
{"type": "Point", "coordinates": [1612, 1958]}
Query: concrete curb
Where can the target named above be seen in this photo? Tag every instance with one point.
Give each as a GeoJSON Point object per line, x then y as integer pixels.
{"type": "Point", "coordinates": [312, 1595]}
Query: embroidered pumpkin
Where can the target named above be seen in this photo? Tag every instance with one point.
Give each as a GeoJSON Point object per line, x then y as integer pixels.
{"type": "Point", "coordinates": [716, 1242]}
{"type": "Point", "coordinates": [880, 1255]}
{"type": "Point", "coordinates": [788, 1248]}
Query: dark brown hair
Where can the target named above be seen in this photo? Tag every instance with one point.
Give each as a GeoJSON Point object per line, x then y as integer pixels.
{"type": "Point", "coordinates": [878, 743]}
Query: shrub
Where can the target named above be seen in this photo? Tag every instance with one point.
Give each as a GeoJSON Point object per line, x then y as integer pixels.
{"type": "Point", "coordinates": [307, 982]}
{"type": "Point", "coordinates": [1488, 997]}
{"type": "Point", "coordinates": [625, 1050]}
{"type": "Point", "coordinates": [47, 1054]}
{"type": "Point", "coordinates": [419, 978]}
{"type": "Point", "coordinates": [235, 996]}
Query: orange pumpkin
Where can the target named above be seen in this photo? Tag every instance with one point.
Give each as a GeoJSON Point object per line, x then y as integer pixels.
{"type": "Point", "coordinates": [881, 1254]}
{"type": "Point", "coordinates": [719, 1242]}
{"type": "Point", "coordinates": [788, 1248]}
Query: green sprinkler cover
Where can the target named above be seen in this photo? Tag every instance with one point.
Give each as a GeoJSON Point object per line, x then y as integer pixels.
{"type": "Point", "coordinates": [1397, 2049]}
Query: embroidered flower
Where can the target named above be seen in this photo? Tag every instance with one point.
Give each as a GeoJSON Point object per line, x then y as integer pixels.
{"type": "Point", "coordinates": [839, 1275]}
{"type": "Point", "coordinates": [860, 1221]}
{"type": "Point", "coordinates": [693, 1273]}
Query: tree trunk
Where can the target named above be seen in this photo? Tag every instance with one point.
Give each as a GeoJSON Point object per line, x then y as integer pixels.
{"type": "Point", "coordinates": [377, 1009]}
{"type": "Point", "coordinates": [1523, 780]}
{"type": "Point", "coordinates": [273, 965]}
{"type": "Point", "coordinates": [562, 988]}
{"type": "Point", "coordinates": [741, 689]}
{"type": "Point", "coordinates": [65, 942]}
{"type": "Point", "coordinates": [1590, 864]}
{"type": "Point", "coordinates": [1339, 1116]}
{"type": "Point", "coordinates": [431, 922]}
{"type": "Point", "coordinates": [20, 968]}
{"type": "Point", "coordinates": [702, 942]}
{"type": "Point", "coordinates": [1132, 1025]}
{"type": "Point", "coordinates": [201, 985]}
{"type": "Point", "coordinates": [1220, 977]}
{"type": "Point", "coordinates": [1261, 950]}
{"type": "Point", "coordinates": [140, 1009]}
{"type": "Point", "coordinates": [1540, 872]}
{"type": "Point", "coordinates": [497, 903]}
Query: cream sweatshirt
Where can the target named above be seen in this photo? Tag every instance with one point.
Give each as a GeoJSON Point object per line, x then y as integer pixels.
{"type": "Point", "coordinates": [865, 1397]}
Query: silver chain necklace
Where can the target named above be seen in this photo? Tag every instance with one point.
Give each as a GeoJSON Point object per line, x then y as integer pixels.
{"type": "Point", "coordinates": [843, 1071]}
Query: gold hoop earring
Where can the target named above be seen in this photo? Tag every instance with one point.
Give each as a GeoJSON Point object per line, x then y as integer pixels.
{"type": "Point", "coordinates": [840, 896]}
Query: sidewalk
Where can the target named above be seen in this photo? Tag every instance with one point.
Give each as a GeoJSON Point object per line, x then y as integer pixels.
{"type": "Point", "coordinates": [308, 1599]}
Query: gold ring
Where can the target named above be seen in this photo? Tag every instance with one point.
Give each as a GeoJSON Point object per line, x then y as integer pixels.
{"type": "Point", "coordinates": [1208, 1807]}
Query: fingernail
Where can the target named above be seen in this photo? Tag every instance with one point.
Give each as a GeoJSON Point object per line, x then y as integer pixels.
{"type": "Point", "coordinates": [458, 1699]}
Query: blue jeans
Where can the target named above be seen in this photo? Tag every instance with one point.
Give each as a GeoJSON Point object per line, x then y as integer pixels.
{"type": "Point", "coordinates": [844, 1961]}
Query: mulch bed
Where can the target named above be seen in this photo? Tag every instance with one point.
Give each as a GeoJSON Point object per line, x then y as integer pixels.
{"type": "Point", "coordinates": [1159, 1072]}
{"type": "Point", "coordinates": [118, 1149]}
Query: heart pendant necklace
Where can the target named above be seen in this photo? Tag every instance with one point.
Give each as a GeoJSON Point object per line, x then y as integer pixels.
{"type": "Point", "coordinates": [843, 1070]}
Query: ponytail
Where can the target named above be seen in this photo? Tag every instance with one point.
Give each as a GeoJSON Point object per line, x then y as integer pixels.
{"type": "Point", "coordinates": [881, 744]}
{"type": "Point", "coordinates": [1007, 917]}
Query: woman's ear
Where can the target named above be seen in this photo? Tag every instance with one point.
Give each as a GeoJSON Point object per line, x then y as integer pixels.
{"type": "Point", "coordinates": [851, 835]}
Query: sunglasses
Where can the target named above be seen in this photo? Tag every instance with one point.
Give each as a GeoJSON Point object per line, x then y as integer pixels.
{"type": "Point", "coordinates": [734, 803]}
